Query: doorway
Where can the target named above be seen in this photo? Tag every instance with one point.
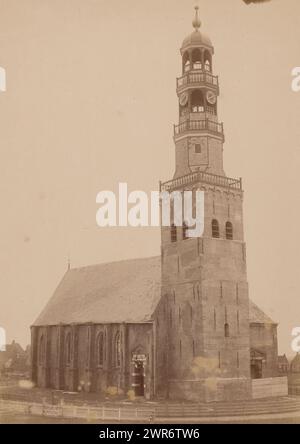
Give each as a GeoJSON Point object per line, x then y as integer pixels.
{"type": "Point", "coordinates": [257, 361]}
{"type": "Point", "coordinates": [256, 369]}
{"type": "Point", "coordinates": [138, 378]}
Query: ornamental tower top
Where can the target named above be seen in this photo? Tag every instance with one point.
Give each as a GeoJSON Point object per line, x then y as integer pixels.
{"type": "Point", "coordinates": [198, 136]}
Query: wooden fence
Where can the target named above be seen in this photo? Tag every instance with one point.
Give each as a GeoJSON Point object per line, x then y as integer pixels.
{"type": "Point", "coordinates": [269, 387]}
{"type": "Point", "coordinates": [80, 412]}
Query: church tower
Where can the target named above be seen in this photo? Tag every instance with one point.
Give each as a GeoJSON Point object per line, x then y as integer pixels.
{"type": "Point", "coordinates": [198, 136]}
{"type": "Point", "coordinates": [205, 290]}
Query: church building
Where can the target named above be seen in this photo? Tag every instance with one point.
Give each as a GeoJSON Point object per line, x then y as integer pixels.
{"type": "Point", "coordinates": [179, 326]}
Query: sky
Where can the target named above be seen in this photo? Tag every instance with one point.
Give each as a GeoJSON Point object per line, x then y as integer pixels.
{"type": "Point", "coordinates": [91, 102]}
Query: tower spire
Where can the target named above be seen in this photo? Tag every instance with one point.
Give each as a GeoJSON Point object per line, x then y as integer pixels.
{"type": "Point", "coordinates": [196, 22]}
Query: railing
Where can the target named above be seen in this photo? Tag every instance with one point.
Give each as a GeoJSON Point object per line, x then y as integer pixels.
{"type": "Point", "coordinates": [269, 387]}
{"type": "Point", "coordinates": [279, 404]}
{"type": "Point", "coordinates": [89, 413]}
{"type": "Point", "coordinates": [199, 125]}
{"type": "Point", "coordinates": [210, 110]}
{"type": "Point", "coordinates": [197, 77]}
{"type": "Point", "coordinates": [201, 176]}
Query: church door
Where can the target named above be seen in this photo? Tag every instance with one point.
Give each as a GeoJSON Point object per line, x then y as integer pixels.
{"type": "Point", "coordinates": [138, 378]}
{"type": "Point", "coordinates": [256, 370]}
{"type": "Point", "coordinates": [257, 360]}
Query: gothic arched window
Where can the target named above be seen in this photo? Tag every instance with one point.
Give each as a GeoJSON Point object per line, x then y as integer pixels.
{"type": "Point", "coordinates": [226, 330]}
{"type": "Point", "coordinates": [173, 233]}
{"type": "Point", "coordinates": [100, 349]}
{"type": "Point", "coordinates": [88, 347]}
{"type": "Point", "coordinates": [215, 228]}
{"type": "Point", "coordinates": [197, 101]}
{"type": "Point", "coordinates": [41, 351]}
{"type": "Point", "coordinates": [229, 231]}
{"type": "Point", "coordinates": [117, 350]}
{"type": "Point", "coordinates": [68, 349]}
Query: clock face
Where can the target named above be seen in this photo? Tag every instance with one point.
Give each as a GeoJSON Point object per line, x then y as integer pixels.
{"type": "Point", "coordinates": [211, 97]}
{"type": "Point", "coordinates": [183, 99]}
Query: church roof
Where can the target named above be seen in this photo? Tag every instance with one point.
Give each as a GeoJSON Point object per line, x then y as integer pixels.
{"type": "Point", "coordinates": [196, 39]}
{"type": "Point", "coordinates": [126, 291]}
{"type": "Point", "coordinates": [257, 316]}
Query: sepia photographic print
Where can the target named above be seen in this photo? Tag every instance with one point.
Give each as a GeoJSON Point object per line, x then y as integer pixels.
{"type": "Point", "coordinates": [150, 157]}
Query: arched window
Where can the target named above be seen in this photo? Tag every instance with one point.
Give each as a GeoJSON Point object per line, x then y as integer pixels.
{"type": "Point", "coordinates": [173, 233]}
{"type": "Point", "coordinates": [100, 349]}
{"type": "Point", "coordinates": [184, 231]}
{"type": "Point", "coordinates": [207, 61]}
{"type": "Point", "coordinates": [229, 231]}
{"type": "Point", "coordinates": [215, 228]}
{"type": "Point", "coordinates": [196, 59]}
{"type": "Point", "coordinates": [226, 330]}
{"type": "Point", "coordinates": [197, 101]}
{"type": "Point", "coordinates": [41, 352]}
{"type": "Point", "coordinates": [207, 65]}
{"type": "Point", "coordinates": [187, 66]}
{"type": "Point", "coordinates": [68, 349]}
{"type": "Point", "coordinates": [117, 350]}
{"type": "Point", "coordinates": [186, 62]}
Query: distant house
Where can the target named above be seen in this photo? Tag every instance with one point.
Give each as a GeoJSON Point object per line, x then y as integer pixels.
{"type": "Point", "coordinates": [294, 376]}
{"type": "Point", "coordinates": [283, 365]}
{"type": "Point", "coordinates": [14, 359]}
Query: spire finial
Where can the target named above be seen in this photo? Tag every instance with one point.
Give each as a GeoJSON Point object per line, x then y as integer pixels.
{"type": "Point", "coordinates": [69, 263]}
{"type": "Point", "coordinates": [196, 21]}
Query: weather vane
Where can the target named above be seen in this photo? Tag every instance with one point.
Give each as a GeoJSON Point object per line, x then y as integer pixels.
{"type": "Point", "coordinates": [196, 21]}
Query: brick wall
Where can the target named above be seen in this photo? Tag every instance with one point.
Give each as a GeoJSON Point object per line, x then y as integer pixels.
{"type": "Point", "coordinates": [83, 371]}
{"type": "Point", "coordinates": [205, 286]}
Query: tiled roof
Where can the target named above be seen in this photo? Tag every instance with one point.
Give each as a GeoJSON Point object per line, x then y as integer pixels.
{"type": "Point", "coordinates": [282, 359]}
{"type": "Point", "coordinates": [257, 316]}
{"type": "Point", "coordinates": [295, 364]}
{"type": "Point", "coordinates": [126, 291]}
